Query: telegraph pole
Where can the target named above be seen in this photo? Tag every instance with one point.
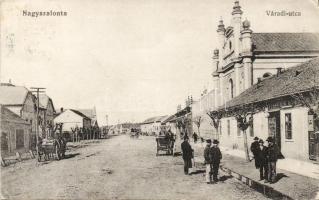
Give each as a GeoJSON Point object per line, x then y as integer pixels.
{"type": "Point", "coordinates": [38, 90]}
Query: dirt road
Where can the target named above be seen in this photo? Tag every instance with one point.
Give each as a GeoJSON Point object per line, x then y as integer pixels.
{"type": "Point", "coordinates": [116, 168]}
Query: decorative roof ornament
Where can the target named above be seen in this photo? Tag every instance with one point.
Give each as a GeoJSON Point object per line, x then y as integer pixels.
{"type": "Point", "coordinates": [221, 26]}
{"type": "Point", "coordinates": [236, 9]}
{"type": "Point", "coordinates": [246, 24]}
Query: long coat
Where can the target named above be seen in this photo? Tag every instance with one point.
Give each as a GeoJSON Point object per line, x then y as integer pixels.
{"type": "Point", "coordinates": [261, 157]}
{"type": "Point", "coordinates": [272, 153]}
{"type": "Point", "coordinates": [207, 155]}
{"type": "Point", "coordinates": [254, 148]}
{"type": "Point", "coordinates": [216, 155]}
{"type": "Point", "coordinates": [187, 150]}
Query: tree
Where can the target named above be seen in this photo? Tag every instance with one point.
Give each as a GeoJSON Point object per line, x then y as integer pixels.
{"type": "Point", "coordinates": [198, 121]}
{"type": "Point", "coordinates": [215, 116]}
{"type": "Point", "coordinates": [243, 124]}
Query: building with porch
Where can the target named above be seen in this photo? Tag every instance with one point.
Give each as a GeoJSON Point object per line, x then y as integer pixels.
{"type": "Point", "coordinates": [15, 133]}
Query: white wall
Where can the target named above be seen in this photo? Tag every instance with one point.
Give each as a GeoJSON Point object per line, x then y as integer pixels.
{"type": "Point", "coordinates": [69, 120]}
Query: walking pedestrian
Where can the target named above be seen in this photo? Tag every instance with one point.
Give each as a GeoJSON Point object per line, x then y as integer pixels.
{"type": "Point", "coordinates": [187, 154]}
{"type": "Point", "coordinates": [262, 161]}
{"type": "Point", "coordinates": [208, 161]}
{"type": "Point", "coordinates": [254, 148]}
{"type": "Point", "coordinates": [272, 156]}
{"type": "Point", "coordinates": [216, 157]}
{"type": "Point", "coordinates": [195, 137]}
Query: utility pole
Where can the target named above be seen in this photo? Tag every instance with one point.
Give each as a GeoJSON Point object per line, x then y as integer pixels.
{"type": "Point", "coordinates": [38, 90]}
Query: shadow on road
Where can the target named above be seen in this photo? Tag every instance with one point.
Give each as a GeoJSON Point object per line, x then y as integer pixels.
{"type": "Point", "coordinates": [71, 155]}
{"type": "Point", "coordinates": [199, 171]}
{"type": "Point", "coordinates": [224, 178]}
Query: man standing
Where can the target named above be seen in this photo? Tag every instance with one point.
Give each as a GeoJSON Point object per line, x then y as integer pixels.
{"type": "Point", "coordinates": [195, 137]}
{"type": "Point", "coordinates": [272, 156]}
{"type": "Point", "coordinates": [216, 156]}
{"type": "Point", "coordinates": [208, 161]}
{"type": "Point", "coordinates": [254, 148]}
{"type": "Point", "coordinates": [187, 154]}
{"type": "Point", "coordinates": [262, 161]}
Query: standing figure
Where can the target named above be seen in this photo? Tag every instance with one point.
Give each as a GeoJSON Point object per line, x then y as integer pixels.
{"type": "Point", "coordinates": [254, 148]}
{"type": "Point", "coordinates": [272, 156]}
{"type": "Point", "coordinates": [216, 156]}
{"type": "Point", "coordinates": [262, 161]}
{"type": "Point", "coordinates": [187, 154]}
{"type": "Point", "coordinates": [208, 161]}
{"type": "Point", "coordinates": [195, 137]}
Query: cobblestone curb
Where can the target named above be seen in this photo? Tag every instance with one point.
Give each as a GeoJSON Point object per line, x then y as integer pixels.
{"type": "Point", "coordinates": [262, 188]}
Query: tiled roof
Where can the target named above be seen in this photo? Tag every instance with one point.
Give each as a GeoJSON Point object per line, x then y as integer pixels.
{"type": "Point", "coordinates": [285, 41]}
{"type": "Point", "coordinates": [80, 113]}
{"type": "Point", "coordinates": [154, 119]}
{"type": "Point", "coordinates": [300, 78]}
{"type": "Point", "coordinates": [88, 112]}
{"type": "Point", "coordinates": [12, 95]}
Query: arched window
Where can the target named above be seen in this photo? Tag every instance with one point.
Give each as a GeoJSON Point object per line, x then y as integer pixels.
{"type": "Point", "coordinates": [231, 88]}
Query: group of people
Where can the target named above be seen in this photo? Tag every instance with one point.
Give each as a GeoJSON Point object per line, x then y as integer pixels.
{"type": "Point", "coordinates": [265, 158]}
{"type": "Point", "coordinates": [212, 156]}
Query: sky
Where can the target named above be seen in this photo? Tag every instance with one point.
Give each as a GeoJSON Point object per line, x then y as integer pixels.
{"type": "Point", "coordinates": [131, 59]}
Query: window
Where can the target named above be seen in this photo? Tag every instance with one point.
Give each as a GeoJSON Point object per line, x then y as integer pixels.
{"type": "Point", "coordinates": [288, 126]}
{"type": "Point", "coordinates": [4, 141]}
{"type": "Point", "coordinates": [251, 128]}
{"type": "Point", "coordinates": [228, 127]}
{"type": "Point", "coordinates": [231, 88]}
{"type": "Point", "coordinates": [230, 45]}
{"type": "Point", "coordinates": [19, 138]}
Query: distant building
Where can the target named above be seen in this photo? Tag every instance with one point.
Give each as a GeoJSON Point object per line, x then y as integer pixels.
{"type": "Point", "coordinates": [152, 126]}
{"type": "Point", "coordinates": [91, 113]}
{"type": "Point", "coordinates": [15, 133]}
{"type": "Point", "coordinates": [71, 119]}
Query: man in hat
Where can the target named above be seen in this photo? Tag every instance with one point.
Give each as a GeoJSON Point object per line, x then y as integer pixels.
{"type": "Point", "coordinates": [262, 161]}
{"type": "Point", "coordinates": [187, 152]}
{"type": "Point", "coordinates": [208, 161]}
{"type": "Point", "coordinates": [216, 156]}
{"type": "Point", "coordinates": [272, 156]}
{"type": "Point", "coordinates": [254, 148]}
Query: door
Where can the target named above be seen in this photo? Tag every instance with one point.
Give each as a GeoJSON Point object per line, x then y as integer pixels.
{"type": "Point", "coordinates": [274, 127]}
{"type": "Point", "coordinates": [314, 141]}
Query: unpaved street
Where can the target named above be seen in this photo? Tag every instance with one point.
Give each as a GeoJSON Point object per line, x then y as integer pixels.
{"type": "Point", "coordinates": [116, 168]}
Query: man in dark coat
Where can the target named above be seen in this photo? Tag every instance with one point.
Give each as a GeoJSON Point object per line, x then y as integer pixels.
{"type": "Point", "coordinates": [187, 154]}
{"type": "Point", "coordinates": [195, 137]}
{"type": "Point", "coordinates": [208, 161]}
{"type": "Point", "coordinates": [216, 156]}
{"type": "Point", "coordinates": [262, 161]}
{"type": "Point", "coordinates": [254, 148]}
{"type": "Point", "coordinates": [272, 156]}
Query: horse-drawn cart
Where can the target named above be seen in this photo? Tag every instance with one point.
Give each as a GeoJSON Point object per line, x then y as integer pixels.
{"type": "Point", "coordinates": [164, 144]}
{"type": "Point", "coordinates": [51, 148]}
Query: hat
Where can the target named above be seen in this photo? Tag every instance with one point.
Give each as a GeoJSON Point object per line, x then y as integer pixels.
{"type": "Point", "coordinates": [256, 138]}
{"type": "Point", "coordinates": [270, 139]}
{"type": "Point", "coordinates": [215, 142]}
{"type": "Point", "coordinates": [209, 141]}
{"type": "Point", "coordinates": [261, 141]}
